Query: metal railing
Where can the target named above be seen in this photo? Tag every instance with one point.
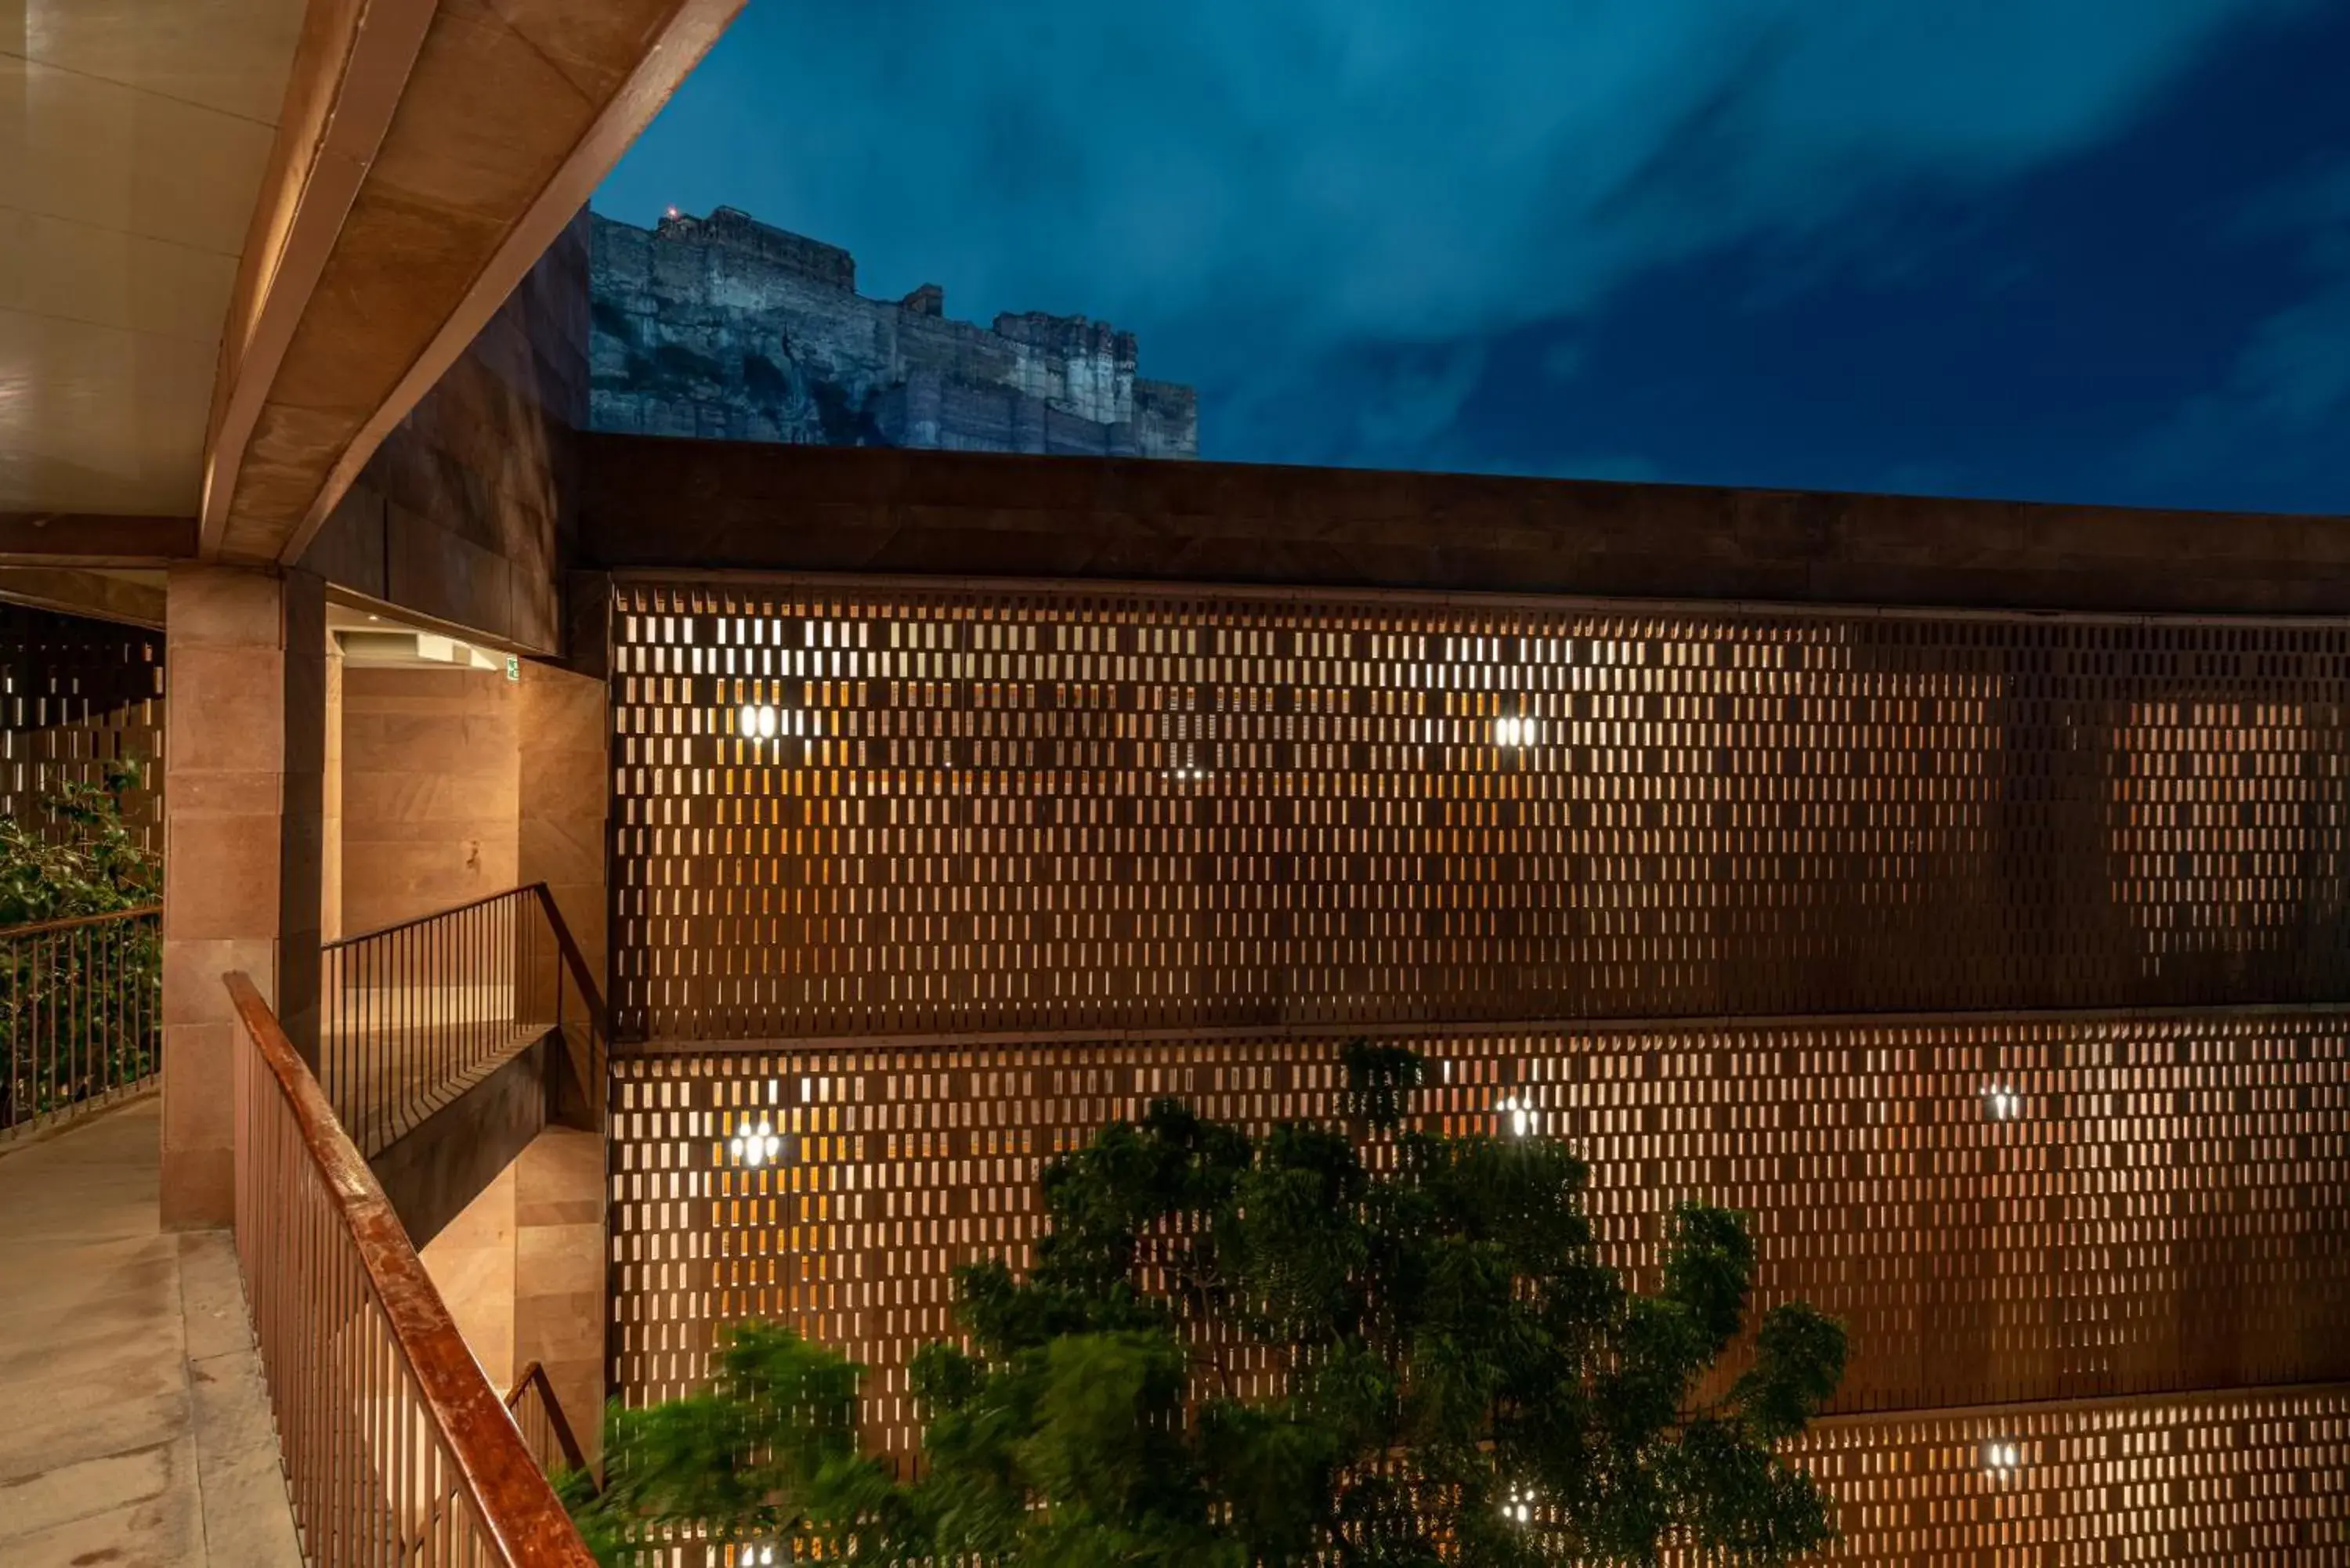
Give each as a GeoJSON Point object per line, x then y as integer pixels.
{"type": "Point", "coordinates": [538, 1414]}
{"type": "Point", "coordinates": [412, 1015]}
{"type": "Point", "coordinates": [80, 1014]}
{"type": "Point", "coordinates": [395, 1449]}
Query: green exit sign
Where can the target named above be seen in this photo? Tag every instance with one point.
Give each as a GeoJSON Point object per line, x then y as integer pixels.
{"type": "Point", "coordinates": [514, 667]}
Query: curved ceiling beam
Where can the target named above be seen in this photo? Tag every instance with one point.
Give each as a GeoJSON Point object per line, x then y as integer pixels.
{"type": "Point", "coordinates": [350, 68]}
{"type": "Point", "coordinates": [509, 115]}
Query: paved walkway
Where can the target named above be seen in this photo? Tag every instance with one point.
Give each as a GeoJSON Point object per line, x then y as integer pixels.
{"type": "Point", "coordinates": [134, 1432]}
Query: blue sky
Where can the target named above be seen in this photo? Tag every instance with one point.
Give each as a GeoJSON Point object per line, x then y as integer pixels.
{"type": "Point", "coordinates": [2090, 250]}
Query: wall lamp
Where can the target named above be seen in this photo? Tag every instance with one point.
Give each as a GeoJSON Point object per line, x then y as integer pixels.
{"type": "Point", "coordinates": [756, 1146]}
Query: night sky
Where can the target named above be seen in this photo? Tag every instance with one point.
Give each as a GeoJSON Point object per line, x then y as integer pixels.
{"type": "Point", "coordinates": [2086, 249]}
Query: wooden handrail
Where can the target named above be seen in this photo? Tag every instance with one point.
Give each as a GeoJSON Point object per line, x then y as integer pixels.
{"type": "Point", "coordinates": [36, 928]}
{"type": "Point", "coordinates": [357, 937]}
{"type": "Point", "coordinates": [573, 957]}
{"type": "Point", "coordinates": [495, 1469]}
{"type": "Point", "coordinates": [556, 1421]}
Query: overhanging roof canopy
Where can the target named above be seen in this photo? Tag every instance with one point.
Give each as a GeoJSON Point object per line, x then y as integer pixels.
{"type": "Point", "coordinates": [259, 232]}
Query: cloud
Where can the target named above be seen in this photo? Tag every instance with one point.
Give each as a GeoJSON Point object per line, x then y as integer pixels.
{"type": "Point", "coordinates": [2275, 427]}
{"type": "Point", "coordinates": [1564, 360]}
{"type": "Point", "coordinates": [1261, 190]}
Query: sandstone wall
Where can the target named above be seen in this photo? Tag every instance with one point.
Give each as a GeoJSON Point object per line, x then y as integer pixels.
{"type": "Point", "coordinates": [725, 329]}
{"type": "Point", "coordinates": [431, 786]}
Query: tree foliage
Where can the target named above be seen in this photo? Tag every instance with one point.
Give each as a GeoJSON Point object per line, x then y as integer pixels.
{"type": "Point", "coordinates": [82, 860]}
{"type": "Point", "coordinates": [77, 1007]}
{"type": "Point", "coordinates": [1457, 1376]}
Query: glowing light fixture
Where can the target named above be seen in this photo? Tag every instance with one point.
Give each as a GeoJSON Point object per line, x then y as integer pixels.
{"type": "Point", "coordinates": [1518, 1508]}
{"type": "Point", "coordinates": [757, 721]}
{"type": "Point", "coordinates": [2001, 1457]}
{"type": "Point", "coordinates": [2001, 1103]}
{"type": "Point", "coordinates": [1517, 1117]}
{"type": "Point", "coordinates": [760, 1555]}
{"type": "Point", "coordinates": [1516, 731]}
{"type": "Point", "coordinates": [757, 1145]}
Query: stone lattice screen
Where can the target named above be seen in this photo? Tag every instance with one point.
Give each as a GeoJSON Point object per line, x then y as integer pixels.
{"type": "Point", "coordinates": [2159, 1208]}
{"type": "Point", "coordinates": [76, 694]}
{"type": "Point", "coordinates": [2254, 1478]}
{"type": "Point", "coordinates": [1107, 809]}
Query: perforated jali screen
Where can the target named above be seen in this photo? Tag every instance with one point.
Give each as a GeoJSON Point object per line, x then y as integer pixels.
{"type": "Point", "coordinates": [845, 809]}
{"type": "Point", "coordinates": [1999, 1210]}
{"type": "Point", "coordinates": [2254, 1478]}
{"type": "Point", "coordinates": [963, 873]}
{"type": "Point", "coordinates": [77, 694]}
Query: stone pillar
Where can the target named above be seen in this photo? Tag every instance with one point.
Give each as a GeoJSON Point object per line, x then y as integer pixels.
{"type": "Point", "coordinates": [471, 1262]}
{"type": "Point", "coordinates": [559, 1313]}
{"type": "Point", "coordinates": [560, 1307]}
{"type": "Point", "coordinates": [245, 759]}
{"type": "Point", "coordinates": [330, 864]}
{"type": "Point", "coordinates": [564, 740]}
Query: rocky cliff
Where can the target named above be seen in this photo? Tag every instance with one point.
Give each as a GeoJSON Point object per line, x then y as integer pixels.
{"type": "Point", "coordinates": [725, 327]}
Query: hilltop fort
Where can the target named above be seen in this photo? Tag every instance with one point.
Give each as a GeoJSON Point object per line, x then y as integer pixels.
{"type": "Point", "coordinates": [722, 326]}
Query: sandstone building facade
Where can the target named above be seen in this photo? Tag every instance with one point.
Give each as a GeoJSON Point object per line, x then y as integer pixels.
{"type": "Point", "coordinates": [725, 327]}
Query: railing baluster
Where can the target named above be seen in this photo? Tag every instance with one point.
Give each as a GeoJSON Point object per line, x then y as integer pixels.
{"type": "Point", "coordinates": [76, 1014]}
{"type": "Point", "coordinates": [395, 1449]}
{"type": "Point", "coordinates": [417, 1008]}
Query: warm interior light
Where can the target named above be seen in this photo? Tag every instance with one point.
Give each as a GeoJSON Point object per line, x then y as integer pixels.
{"type": "Point", "coordinates": [1516, 729]}
{"type": "Point", "coordinates": [1517, 1117]}
{"type": "Point", "coordinates": [757, 721]}
{"type": "Point", "coordinates": [2001, 1457]}
{"type": "Point", "coordinates": [2001, 1103]}
{"type": "Point", "coordinates": [755, 1146]}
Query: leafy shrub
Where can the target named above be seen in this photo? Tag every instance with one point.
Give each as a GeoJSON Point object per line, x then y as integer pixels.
{"type": "Point", "coordinates": [77, 1008]}
{"type": "Point", "coordinates": [1456, 1377]}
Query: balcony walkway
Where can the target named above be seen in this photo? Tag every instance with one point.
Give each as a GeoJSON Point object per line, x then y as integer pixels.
{"type": "Point", "coordinates": [134, 1431]}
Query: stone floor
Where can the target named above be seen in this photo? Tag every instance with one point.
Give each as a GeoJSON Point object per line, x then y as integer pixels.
{"type": "Point", "coordinates": [134, 1431]}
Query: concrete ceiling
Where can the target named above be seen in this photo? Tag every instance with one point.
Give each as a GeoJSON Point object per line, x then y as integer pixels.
{"type": "Point", "coordinates": [246, 236]}
{"type": "Point", "coordinates": [133, 138]}
{"type": "Point", "coordinates": [456, 141]}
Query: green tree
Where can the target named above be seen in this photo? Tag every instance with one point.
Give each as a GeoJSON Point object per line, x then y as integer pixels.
{"type": "Point", "coordinates": [1454, 1377]}
{"type": "Point", "coordinates": [78, 1007]}
{"type": "Point", "coordinates": [84, 860]}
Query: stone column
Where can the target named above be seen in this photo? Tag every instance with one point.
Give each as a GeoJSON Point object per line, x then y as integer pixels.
{"type": "Point", "coordinates": [245, 765]}
{"type": "Point", "coordinates": [560, 1308]}
{"type": "Point", "coordinates": [331, 865]}
{"type": "Point", "coordinates": [565, 740]}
